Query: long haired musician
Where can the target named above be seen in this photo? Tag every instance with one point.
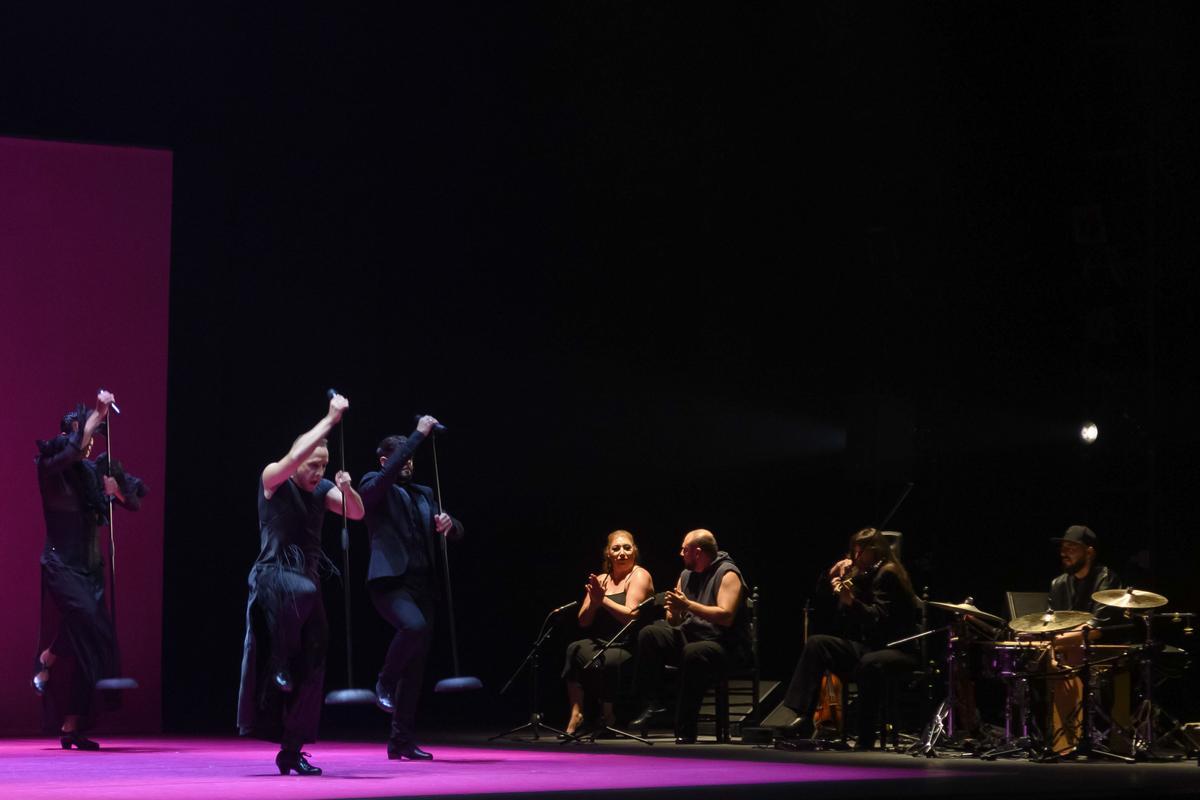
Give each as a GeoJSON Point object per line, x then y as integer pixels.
{"type": "Point", "coordinates": [876, 605]}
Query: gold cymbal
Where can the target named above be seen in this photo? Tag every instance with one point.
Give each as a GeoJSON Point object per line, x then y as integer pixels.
{"type": "Point", "coordinates": [1049, 621]}
{"type": "Point", "coordinates": [966, 608]}
{"type": "Point", "coordinates": [1129, 598]}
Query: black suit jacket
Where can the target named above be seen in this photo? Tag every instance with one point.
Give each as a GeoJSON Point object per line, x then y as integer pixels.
{"type": "Point", "coordinates": [389, 521]}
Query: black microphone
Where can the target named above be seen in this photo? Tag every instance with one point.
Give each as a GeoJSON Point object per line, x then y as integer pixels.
{"type": "Point", "coordinates": [659, 599]}
{"type": "Point", "coordinates": [439, 428]}
{"type": "Point", "coordinates": [329, 393]}
{"type": "Point", "coordinates": [569, 605]}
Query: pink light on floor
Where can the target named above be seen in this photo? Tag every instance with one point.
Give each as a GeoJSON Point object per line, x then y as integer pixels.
{"type": "Point", "coordinates": [204, 769]}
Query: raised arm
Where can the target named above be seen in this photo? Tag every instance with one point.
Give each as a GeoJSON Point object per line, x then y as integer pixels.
{"type": "Point", "coordinates": [78, 439]}
{"type": "Point", "coordinates": [275, 473]}
{"type": "Point", "coordinates": [374, 489]}
{"type": "Point", "coordinates": [343, 488]}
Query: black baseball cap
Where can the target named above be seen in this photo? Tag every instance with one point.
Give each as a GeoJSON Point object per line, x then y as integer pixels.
{"type": "Point", "coordinates": [1080, 534]}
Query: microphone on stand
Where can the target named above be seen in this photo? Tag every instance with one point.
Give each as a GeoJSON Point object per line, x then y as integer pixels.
{"type": "Point", "coordinates": [659, 599]}
{"type": "Point", "coordinates": [113, 406]}
{"type": "Point", "coordinates": [437, 428]}
{"type": "Point", "coordinates": [567, 607]}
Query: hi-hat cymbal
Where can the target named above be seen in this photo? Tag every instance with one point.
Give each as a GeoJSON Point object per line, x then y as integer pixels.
{"type": "Point", "coordinates": [1129, 598]}
{"type": "Point", "coordinates": [966, 608]}
{"type": "Point", "coordinates": [1049, 621]}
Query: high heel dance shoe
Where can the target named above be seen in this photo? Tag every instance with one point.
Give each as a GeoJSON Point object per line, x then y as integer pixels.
{"type": "Point", "coordinates": [73, 739]}
{"type": "Point", "coordinates": [289, 760]}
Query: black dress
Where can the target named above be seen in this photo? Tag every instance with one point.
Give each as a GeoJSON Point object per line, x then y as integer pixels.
{"type": "Point", "coordinates": [603, 682]}
{"type": "Point", "coordinates": [286, 626]}
{"type": "Point", "coordinates": [75, 624]}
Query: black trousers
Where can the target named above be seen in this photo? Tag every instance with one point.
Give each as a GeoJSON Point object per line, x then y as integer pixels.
{"type": "Point", "coordinates": [848, 660]}
{"type": "Point", "coordinates": [293, 616]}
{"type": "Point", "coordinates": [700, 664]}
{"type": "Point", "coordinates": [602, 682]}
{"type": "Point", "coordinates": [85, 634]}
{"type": "Point", "coordinates": [408, 606]}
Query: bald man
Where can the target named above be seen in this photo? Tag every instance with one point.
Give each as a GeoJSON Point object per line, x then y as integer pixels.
{"type": "Point", "coordinates": [704, 633]}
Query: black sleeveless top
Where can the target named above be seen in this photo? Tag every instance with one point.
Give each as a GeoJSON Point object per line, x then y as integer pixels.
{"type": "Point", "coordinates": [605, 625]}
{"type": "Point", "coordinates": [289, 524]}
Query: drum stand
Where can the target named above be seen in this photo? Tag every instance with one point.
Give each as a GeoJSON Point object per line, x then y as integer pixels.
{"type": "Point", "coordinates": [1088, 747]}
{"type": "Point", "coordinates": [1017, 684]}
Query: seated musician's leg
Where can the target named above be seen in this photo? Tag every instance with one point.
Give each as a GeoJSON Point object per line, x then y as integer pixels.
{"type": "Point", "coordinates": [822, 653]}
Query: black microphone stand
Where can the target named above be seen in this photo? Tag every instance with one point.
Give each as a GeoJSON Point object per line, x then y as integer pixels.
{"type": "Point", "coordinates": [597, 663]}
{"type": "Point", "coordinates": [533, 658]}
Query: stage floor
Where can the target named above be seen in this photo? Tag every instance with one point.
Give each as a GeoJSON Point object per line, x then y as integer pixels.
{"type": "Point", "coordinates": [178, 768]}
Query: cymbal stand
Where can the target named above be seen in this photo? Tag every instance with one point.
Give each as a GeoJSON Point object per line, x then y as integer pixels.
{"type": "Point", "coordinates": [1143, 736]}
{"type": "Point", "coordinates": [941, 725]}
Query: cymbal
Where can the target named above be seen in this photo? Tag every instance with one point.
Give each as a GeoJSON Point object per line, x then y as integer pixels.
{"type": "Point", "coordinates": [1129, 598]}
{"type": "Point", "coordinates": [966, 608]}
{"type": "Point", "coordinates": [1049, 621]}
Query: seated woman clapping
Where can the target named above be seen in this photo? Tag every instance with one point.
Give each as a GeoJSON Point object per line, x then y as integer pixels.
{"type": "Point", "coordinates": [610, 601]}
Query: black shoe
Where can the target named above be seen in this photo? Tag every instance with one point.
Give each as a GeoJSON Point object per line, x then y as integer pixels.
{"type": "Point", "coordinates": [649, 715]}
{"type": "Point", "coordinates": [79, 742]}
{"type": "Point", "coordinates": [685, 739]}
{"type": "Point", "coordinates": [283, 681]}
{"type": "Point", "coordinates": [410, 751]}
{"type": "Point", "coordinates": [383, 699]}
{"type": "Point", "coordinates": [289, 760]}
{"type": "Point", "coordinates": [799, 728]}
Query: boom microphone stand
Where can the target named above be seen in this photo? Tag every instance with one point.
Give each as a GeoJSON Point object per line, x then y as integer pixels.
{"type": "Point", "coordinates": [112, 683]}
{"type": "Point", "coordinates": [351, 695]}
{"type": "Point", "coordinates": [533, 659]}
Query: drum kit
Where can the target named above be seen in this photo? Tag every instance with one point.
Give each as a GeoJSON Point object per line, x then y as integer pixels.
{"type": "Point", "coordinates": [1063, 689]}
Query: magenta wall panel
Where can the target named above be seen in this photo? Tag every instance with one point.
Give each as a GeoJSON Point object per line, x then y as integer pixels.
{"type": "Point", "coordinates": [85, 241]}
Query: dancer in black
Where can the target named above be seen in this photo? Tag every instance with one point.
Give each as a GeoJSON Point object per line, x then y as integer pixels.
{"type": "Point", "coordinates": [283, 664]}
{"type": "Point", "coordinates": [404, 522]}
{"type": "Point", "coordinates": [75, 494]}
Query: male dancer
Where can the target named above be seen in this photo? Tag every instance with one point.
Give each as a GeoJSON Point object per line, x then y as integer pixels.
{"type": "Point", "coordinates": [75, 494]}
{"type": "Point", "coordinates": [283, 665]}
{"type": "Point", "coordinates": [404, 522]}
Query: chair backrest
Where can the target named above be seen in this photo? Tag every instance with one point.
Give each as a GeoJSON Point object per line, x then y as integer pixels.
{"type": "Point", "coordinates": [1022, 603]}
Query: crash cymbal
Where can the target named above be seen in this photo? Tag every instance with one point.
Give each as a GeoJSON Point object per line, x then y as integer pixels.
{"type": "Point", "coordinates": [1049, 621]}
{"type": "Point", "coordinates": [966, 608]}
{"type": "Point", "coordinates": [1129, 598]}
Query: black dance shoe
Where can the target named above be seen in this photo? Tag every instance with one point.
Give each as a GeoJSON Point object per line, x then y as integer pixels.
{"type": "Point", "coordinates": [685, 739]}
{"type": "Point", "coordinates": [650, 714]}
{"type": "Point", "coordinates": [39, 666]}
{"type": "Point", "coordinates": [383, 699]}
{"type": "Point", "coordinates": [409, 750]}
{"type": "Point", "coordinates": [73, 739]}
{"type": "Point", "coordinates": [289, 760]}
{"type": "Point", "coordinates": [282, 680]}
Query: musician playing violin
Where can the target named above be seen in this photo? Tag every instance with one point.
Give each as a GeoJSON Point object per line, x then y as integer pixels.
{"type": "Point", "coordinates": [876, 605]}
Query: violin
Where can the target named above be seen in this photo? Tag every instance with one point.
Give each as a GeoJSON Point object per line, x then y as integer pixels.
{"type": "Point", "coordinates": [829, 712]}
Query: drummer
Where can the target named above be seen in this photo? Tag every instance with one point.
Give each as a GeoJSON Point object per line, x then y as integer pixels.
{"type": "Point", "coordinates": [1082, 576]}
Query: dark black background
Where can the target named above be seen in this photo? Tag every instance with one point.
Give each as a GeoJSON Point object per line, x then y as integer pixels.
{"type": "Point", "coordinates": [660, 266]}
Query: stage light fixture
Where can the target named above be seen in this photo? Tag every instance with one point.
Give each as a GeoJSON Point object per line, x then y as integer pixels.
{"type": "Point", "coordinates": [1089, 432]}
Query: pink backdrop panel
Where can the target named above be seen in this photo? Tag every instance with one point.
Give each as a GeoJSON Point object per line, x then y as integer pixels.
{"type": "Point", "coordinates": [85, 248]}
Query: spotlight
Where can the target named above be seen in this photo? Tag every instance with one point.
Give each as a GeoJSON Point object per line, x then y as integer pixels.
{"type": "Point", "coordinates": [1089, 433]}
